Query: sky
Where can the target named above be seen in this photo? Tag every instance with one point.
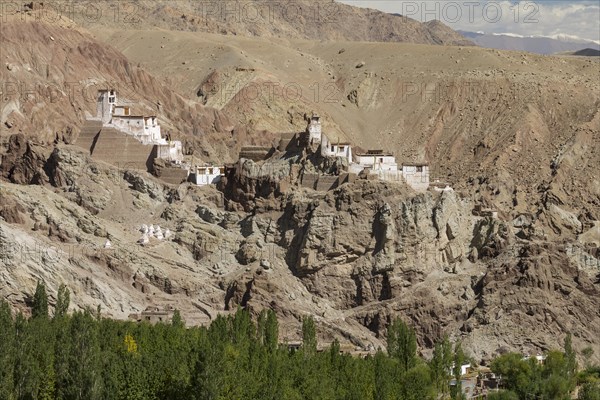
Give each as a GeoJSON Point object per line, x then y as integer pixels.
{"type": "Point", "coordinates": [528, 18]}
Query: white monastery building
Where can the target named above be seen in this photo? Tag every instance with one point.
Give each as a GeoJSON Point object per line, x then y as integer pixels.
{"type": "Point", "coordinates": [314, 130]}
{"type": "Point", "coordinates": [377, 162]}
{"type": "Point", "coordinates": [328, 148]}
{"type": "Point", "coordinates": [145, 129]}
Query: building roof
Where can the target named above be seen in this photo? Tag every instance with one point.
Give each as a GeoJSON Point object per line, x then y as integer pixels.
{"type": "Point", "coordinates": [255, 148]}
{"type": "Point", "coordinates": [415, 164]}
{"type": "Point", "coordinates": [368, 154]}
{"type": "Point", "coordinates": [129, 116]}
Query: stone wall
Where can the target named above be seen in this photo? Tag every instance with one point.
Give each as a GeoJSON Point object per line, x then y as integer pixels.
{"type": "Point", "coordinates": [255, 153]}
{"type": "Point", "coordinates": [173, 176]}
{"type": "Point", "coordinates": [122, 150]}
{"type": "Point", "coordinates": [416, 177]}
{"type": "Point", "coordinates": [88, 133]}
{"type": "Point", "coordinates": [309, 181]}
{"type": "Point", "coordinates": [325, 183]}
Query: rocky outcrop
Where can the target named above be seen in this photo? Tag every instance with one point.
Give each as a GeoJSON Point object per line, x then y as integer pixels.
{"type": "Point", "coordinates": [23, 163]}
{"type": "Point", "coordinates": [489, 239]}
{"type": "Point", "coordinates": [144, 184]}
{"type": "Point", "coordinates": [11, 211]}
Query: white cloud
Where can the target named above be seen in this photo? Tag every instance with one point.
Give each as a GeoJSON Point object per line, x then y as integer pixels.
{"type": "Point", "coordinates": [528, 18]}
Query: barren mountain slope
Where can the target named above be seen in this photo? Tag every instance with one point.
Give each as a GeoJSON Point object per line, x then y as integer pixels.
{"type": "Point", "coordinates": [298, 19]}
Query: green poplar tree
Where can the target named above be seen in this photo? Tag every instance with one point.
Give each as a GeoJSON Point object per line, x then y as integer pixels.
{"type": "Point", "coordinates": [439, 371]}
{"type": "Point", "coordinates": [309, 335]}
{"type": "Point", "coordinates": [177, 321]}
{"type": "Point", "coordinates": [571, 359]}
{"type": "Point", "coordinates": [62, 302]}
{"type": "Point", "coordinates": [402, 344]}
{"type": "Point", "coordinates": [385, 383]}
{"type": "Point", "coordinates": [84, 359]}
{"type": "Point", "coordinates": [40, 301]}
{"type": "Point", "coordinates": [261, 324]}
{"type": "Point", "coordinates": [271, 331]}
{"type": "Point", "coordinates": [459, 359]}
{"type": "Point", "coordinates": [7, 351]}
{"type": "Point", "coordinates": [447, 359]}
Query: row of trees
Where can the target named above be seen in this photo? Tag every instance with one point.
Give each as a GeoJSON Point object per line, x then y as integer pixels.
{"type": "Point", "coordinates": [83, 356]}
{"type": "Point", "coordinates": [556, 378]}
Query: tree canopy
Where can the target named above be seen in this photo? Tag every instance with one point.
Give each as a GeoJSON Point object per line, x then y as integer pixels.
{"type": "Point", "coordinates": [81, 356]}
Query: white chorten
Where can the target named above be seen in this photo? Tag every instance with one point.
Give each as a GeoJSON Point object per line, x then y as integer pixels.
{"type": "Point", "coordinates": [144, 239]}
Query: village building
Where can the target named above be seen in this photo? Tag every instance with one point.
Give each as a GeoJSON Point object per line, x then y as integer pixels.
{"type": "Point", "coordinates": [376, 163]}
{"type": "Point", "coordinates": [416, 175]}
{"type": "Point", "coordinates": [203, 176]}
{"type": "Point", "coordinates": [154, 315]}
{"type": "Point", "coordinates": [107, 100]}
{"type": "Point", "coordinates": [255, 153]}
{"type": "Point", "coordinates": [372, 164]}
{"type": "Point", "coordinates": [539, 359]}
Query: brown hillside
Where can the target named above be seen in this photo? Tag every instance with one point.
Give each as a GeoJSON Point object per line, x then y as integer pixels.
{"type": "Point", "coordinates": [297, 19]}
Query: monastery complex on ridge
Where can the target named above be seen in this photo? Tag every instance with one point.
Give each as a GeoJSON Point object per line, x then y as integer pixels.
{"type": "Point", "coordinates": [117, 136]}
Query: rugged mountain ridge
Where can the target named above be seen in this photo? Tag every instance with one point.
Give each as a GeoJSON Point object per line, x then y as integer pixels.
{"type": "Point", "coordinates": [295, 19]}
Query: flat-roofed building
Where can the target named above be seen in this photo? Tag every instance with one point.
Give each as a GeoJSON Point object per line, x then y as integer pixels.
{"type": "Point", "coordinates": [416, 175]}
